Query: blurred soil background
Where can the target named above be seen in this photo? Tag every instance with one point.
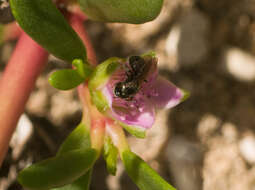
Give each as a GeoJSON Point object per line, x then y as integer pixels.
{"type": "Point", "coordinates": [207, 142]}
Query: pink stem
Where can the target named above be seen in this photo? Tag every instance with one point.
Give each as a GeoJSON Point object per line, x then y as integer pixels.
{"type": "Point", "coordinates": [77, 23]}
{"type": "Point", "coordinates": [16, 84]}
{"type": "Point", "coordinates": [97, 119]}
{"type": "Point", "coordinates": [77, 11]}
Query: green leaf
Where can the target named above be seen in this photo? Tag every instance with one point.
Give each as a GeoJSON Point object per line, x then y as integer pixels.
{"type": "Point", "coordinates": [142, 174]}
{"type": "Point", "coordinates": [126, 11]}
{"type": "Point", "coordinates": [48, 27]}
{"type": "Point", "coordinates": [110, 156]}
{"type": "Point", "coordinates": [65, 79]}
{"type": "Point", "coordinates": [85, 70]}
{"type": "Point", "coordinates": [80, 184]}
{"type": "Point", "coordinates": [57, 171]}
{"type": "Point", "coordinates": [78, 139]}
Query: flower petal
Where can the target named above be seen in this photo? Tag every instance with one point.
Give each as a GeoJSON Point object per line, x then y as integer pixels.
{"type": "Point", "coordinates": [167, 95]}
{"type": "Point", "coordinates": [123, 111]}
{"type": "Point", "coordinates": [144, 118]}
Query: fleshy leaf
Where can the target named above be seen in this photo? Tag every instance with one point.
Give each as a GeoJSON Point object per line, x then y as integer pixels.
{"type": "Point", "coordinates": [80, 184]}
{"type": "Point", "coordinates": [142, 174]}
{"type": "Point", "coordinates": [79, 138]}
{"type": "Point", "coordinates": [110, 156]}
{"type": "Point", "coordinates": [57, 171]}
{"type": "Point", "coordinates": [85, 70]}
{"type": "Point", "coordinates": [65, 79]}
{"type": "Point", "coordinates": [126, 11]}
{"type": "Point", "coordinates": [47, 26]}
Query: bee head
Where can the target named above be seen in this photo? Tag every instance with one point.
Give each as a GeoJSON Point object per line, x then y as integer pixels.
{"type": "Point", "coordinates": [136, 63]}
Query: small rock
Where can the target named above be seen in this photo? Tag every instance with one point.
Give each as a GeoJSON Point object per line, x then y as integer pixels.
{"type": "Point", "coordinates": [224, 168]}
{"type": "Point", "coordinates": [247, 148]}
{"type": "Point", "coordinates": [193, 44]}
{"type": "Point", "coordinates": [207, 126]}
{"type": "Point", "coordinates": [20, 137]}
{"type": "Point", "coordinates": [63, 106]}
{"type": "Point", "coordinates": [38, 103]}
{"type": "Point", "coordinates": [240, 64]}
{"type": "Point", "coordinates": [172, 41]}
{"type": "Point", "coordinates": [135, 35]}
{"type": "Point", "coordinates": [229, 132]}
{"type": "Point", "coordinates": [185, 163]}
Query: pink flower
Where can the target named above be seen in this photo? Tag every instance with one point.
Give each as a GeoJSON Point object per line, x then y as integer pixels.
{"type": "Point", "coordinates": [134, 92]}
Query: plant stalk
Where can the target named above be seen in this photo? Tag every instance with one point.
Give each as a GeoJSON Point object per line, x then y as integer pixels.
{"type": "Point", "coordinates": [16, 84]}
{"type": "Point", "coordinates": [77, 23]}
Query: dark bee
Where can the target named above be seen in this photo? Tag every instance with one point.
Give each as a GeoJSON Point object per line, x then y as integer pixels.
{"type": "Point", "coordinates": [136, 72]}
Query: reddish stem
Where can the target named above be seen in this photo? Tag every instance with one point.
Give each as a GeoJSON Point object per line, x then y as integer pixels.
{"type": "Point", "coordinates": [16, 84]}
{"type": "Point", "coordinates": [96, 118]}
{"type": "Point", "coordinates": [77, 23]}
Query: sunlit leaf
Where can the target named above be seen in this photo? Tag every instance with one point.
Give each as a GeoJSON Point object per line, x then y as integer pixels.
{"type": "Point", "coordinates": [80, 184]}
{"type": "Point", "coordinates": [127, 11]}
{"type": "Point", "coordinates": [110, 156]}
{"type": "Point", "coordinates": [57, 171]}
{"type": "Point", "coordinates": [78, 139]}
{"type": "Point", "coordinates": [142, 174]}
{"type": "Point", "coordinates": [65, 79]}
{"type": "Point", "coordinates": [85, 70]}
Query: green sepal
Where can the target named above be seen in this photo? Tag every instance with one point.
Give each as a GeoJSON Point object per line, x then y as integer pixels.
{"type": "Point", "coordinates": [186, 95]}
{"type": "Point", "coordinates": [110, 156]}
{"type": "Point", "coordinates": [99, 78]}
{"type": "Point", "coordinates": [103, 72]}
{"type": "Point", "coordinates": [57, 171]}
{"type": "Point", "coordinates": [98, 99]}
{"type": "Point", "coordinates": [65, 79]}
{"type": "Point", "coordinates": [125, 11]}
{"type": "Point", "coordinates": [82, 183]}
{"type": "Point", "coordinates": [134, 130]}
{"type": "Point", "coordinates": [142, 174]}
{"type": "Point", "coordinates": [41, 20]}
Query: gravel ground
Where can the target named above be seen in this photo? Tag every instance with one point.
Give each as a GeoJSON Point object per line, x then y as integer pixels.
{"type": "Point", "coordinates": [208, 141]}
